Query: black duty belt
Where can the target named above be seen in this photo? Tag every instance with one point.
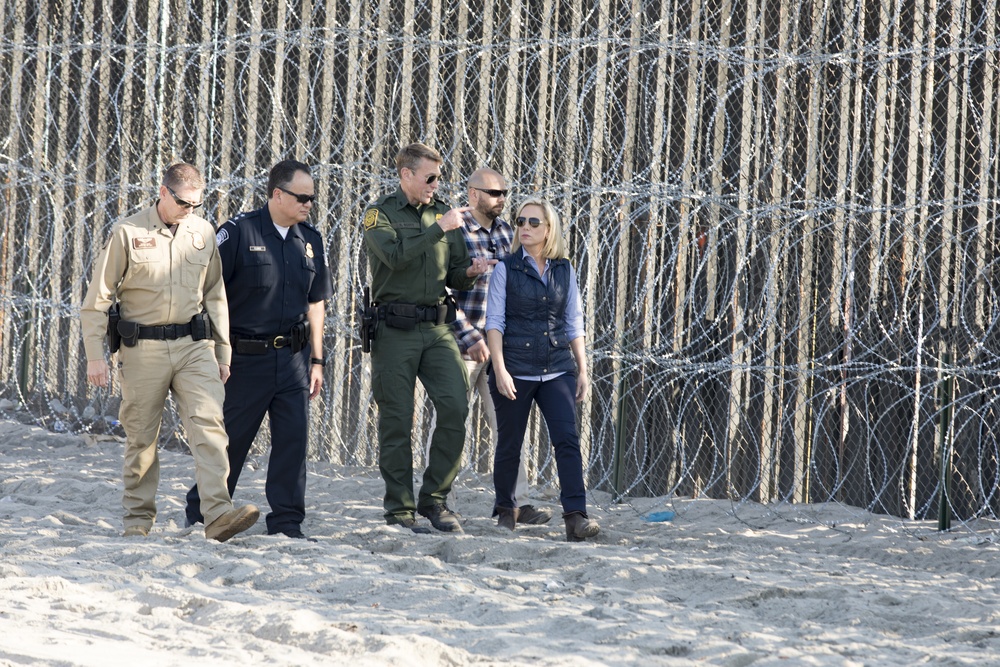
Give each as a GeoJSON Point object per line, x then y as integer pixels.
{"type": "Point", "coordinates": [165, 331]}
{"type": "Point", "coordinates": [259, 344]}
{"type": "Point", "coordinates": [422, 313]}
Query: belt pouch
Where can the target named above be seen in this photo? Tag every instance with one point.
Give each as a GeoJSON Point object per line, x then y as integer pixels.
{"type": "Point", "coordinates": [129, 332]}
{"type": "Point", "coordinates": [401, 316]}
{"type": "Point", "coordinates": [247, 346]}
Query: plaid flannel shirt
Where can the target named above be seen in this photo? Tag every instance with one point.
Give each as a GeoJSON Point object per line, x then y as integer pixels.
{"type": "Point", "coordinates": [493, 243]}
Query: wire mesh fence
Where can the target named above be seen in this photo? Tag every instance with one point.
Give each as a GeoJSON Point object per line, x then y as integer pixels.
{"type": "Point", "coordinates": [783, 213]}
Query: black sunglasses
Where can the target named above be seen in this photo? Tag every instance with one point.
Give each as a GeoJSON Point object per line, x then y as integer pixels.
{"type": "Point", "coordinates": [302, 199]}
{"type": "Point", "coordinates": [492, 193]}
{"type": "Point", "coordinates": [432, 178]}
{"type": "Point", "coordinates": [182, 202]}
{"type": "Point", "coordinates": [534, 222]}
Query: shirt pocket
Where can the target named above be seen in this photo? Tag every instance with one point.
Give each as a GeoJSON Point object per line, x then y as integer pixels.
{"type": "Point", "coordinates": [260, 272]}
{"type": "Point", "coordinates": [194, 268]}
{"type": "Point", "coordinates": [146, 268]}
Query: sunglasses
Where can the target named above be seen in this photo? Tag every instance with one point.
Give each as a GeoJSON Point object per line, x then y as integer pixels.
{"type": "Point", "coordinates": [534, 222]}
{"type": "Point", "coordinates": [182, 202]}
{"type": "Point", "coordinates": [492, 193]}
{"type": "Point", "coordinates": [432, 178]}
{"type": "Point", "coordinates": [302, 199]}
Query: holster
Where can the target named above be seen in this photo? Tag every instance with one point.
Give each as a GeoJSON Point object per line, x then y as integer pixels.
{"type": "Point", "coordinates": [299, 335]}
{"type": "Point", "coordinates": [201, 327]}
{"type": "Point", "coordinates": [114, 338]}
{"type": "Point", "coordinates": [451, 314]}
{"type": "Point", "coordinates": [369, 322]}
{"type": "Point", "coordinates": [129, 332]}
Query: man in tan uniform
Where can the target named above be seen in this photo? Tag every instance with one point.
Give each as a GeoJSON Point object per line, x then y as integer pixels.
{"type": "Point", "coordinates": [162, 266]}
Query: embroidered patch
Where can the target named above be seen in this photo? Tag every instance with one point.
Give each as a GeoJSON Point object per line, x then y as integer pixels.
{"type": "Point", "coordinates": [258, 248]}
{"type": "Point", "coordinates": [222, 236]}
{"type": "Point", "coordinates": [371, 217]}
{"type": "Point", "coordinates": [198, 240]}
{"type": "Point", "coordinates": [309, 250]}
{"type": "Point", "coordinates": [144, 243]}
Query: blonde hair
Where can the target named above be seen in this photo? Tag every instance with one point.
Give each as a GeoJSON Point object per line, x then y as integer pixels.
{"type": "Point", "coordinates": [555, 245]}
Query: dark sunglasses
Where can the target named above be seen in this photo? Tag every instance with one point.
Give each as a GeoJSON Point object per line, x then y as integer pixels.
{"type": "Point", "coordinates": [302, 199]}
{"type": "Point", "coordinates": [534, 222]}
{"type": "Point", "coordinates": [181, 202]}
{"type": "Point", "coordinates": [492, 193]}
{"type": "Point", "coordinates": [432, 178]}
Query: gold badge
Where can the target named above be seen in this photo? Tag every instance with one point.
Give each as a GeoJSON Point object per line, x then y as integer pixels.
{"type": "Point", "coordinates": [371, 217]}
{"type": "Point", "coordinates": [309, 250]}
{"type": "Point", "coordinates": [438, 217]}
{"type": "Point", "coordinates": [144, 243]}
{"type": "Point", "coordinates": [198, 240]}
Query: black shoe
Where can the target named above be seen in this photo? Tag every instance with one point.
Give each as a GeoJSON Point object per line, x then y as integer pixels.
{"type": "Point", "coordinates": [409, 522]}
{"type": "Point", "coordinates": [531, 515]}
{"type": "Point", "coordinates": [294, 533]}
{"type": "Point", "coordinates": [443, 518]}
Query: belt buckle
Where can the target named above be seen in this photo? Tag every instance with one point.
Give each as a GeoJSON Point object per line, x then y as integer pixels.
{"type": "Point", "coordinates": [278, 342]}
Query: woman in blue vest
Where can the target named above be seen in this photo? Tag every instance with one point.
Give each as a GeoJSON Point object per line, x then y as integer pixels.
{"type": "Point", "coordinates": [534, 329]}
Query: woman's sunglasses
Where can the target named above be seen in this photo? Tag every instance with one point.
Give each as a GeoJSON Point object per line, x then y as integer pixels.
{"type": "Point", "coordinates": [534, 222]}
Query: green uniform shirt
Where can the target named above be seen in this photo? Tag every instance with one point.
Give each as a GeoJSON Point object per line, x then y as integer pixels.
{"type": "Point", "coordinates": [411, 258]}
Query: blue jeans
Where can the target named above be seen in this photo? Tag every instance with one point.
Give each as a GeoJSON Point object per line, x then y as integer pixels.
{"type": "Point", "coordinates": [556, 398]}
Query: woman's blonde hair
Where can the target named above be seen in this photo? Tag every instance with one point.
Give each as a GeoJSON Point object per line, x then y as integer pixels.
{"type": "Point", "coordinates": [555, 245]}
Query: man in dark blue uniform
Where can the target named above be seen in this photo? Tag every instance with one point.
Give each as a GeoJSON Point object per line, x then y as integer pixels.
{"type": "Point", "coordinates": [277, 280]}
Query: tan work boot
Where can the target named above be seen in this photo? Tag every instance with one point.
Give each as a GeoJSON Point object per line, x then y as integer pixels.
{"type": "Point", "coordinates": [232, 522]}
{"type": "Point", "coordinates": [136, 531]}
{"type": "Point", "coordinates": [579, 526]}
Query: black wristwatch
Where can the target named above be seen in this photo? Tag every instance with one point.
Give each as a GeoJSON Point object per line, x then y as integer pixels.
{"type": "Point", "coordinates": [319, 361]}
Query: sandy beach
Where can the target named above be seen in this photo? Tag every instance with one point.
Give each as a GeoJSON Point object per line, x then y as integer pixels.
{"type": "Point", "coordinates": [719, 585]}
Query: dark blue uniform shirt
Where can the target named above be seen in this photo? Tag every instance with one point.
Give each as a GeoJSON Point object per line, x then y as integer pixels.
{"type": "Point", "coordinates": [270, 281]}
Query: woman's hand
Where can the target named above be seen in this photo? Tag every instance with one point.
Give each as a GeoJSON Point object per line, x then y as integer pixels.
{"type": "Point", "coordinates": [582, 385]}
{"type": "Point", "coordinates": [505, 383]}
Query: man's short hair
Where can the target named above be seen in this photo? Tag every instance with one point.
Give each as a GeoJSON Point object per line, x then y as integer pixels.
{"type": "Point", "coordinates": [409, 157]}
{"type": "Point", "coordinates": [283, 173]}
{"type": "Point", "coordinates": [183, 175]}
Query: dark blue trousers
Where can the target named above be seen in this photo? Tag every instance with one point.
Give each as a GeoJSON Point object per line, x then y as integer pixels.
{"type": "Point", "coordinates": [556, 398]}
{"type": "Point", "coordinates": [275, 384]}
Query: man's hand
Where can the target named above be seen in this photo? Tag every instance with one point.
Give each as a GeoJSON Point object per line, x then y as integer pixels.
{"type": "Point", "coordinates": [315, 380]}
{"type": "Point", "coordinates": [480, 352]}
{"type": "Point", "coordinates": [480, 265]}
{"type": "Point", "coordinates": [454, 218]}
{"type": "Point", "coordinates": [98, 373]}
{"type": "Point", "coordinates": [224, 372]}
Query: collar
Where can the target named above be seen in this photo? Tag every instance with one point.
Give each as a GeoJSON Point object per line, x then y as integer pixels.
{"type": "Point", "coordinates": [267, 225]}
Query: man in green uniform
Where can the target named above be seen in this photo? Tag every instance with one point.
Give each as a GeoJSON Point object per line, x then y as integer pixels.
{"type": "Point", "coordinates": [414, 251]}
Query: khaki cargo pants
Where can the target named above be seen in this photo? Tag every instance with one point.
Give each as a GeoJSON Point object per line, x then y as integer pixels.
{"type": "Point", "coordinates": [189, 369]}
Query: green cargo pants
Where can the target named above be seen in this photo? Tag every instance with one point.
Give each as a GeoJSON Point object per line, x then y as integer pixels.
{"type": "Point", "coordinates": [399, 357]}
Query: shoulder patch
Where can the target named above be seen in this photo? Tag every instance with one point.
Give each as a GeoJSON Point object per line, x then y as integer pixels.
{"type": "Point", "coordinates": [221, 236]}
{"type": "Point", "coordinates": [371, 217]}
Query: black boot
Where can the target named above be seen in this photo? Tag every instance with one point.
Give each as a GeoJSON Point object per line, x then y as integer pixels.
{"type": "Point", "coordinates": [507, 517]}
{"type": "Point", "coordinates": [579, 526]}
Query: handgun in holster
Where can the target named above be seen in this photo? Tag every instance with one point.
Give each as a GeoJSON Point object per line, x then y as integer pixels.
{"type": "Point", "coordinates": [114, 338]}
{"type": "Point", "coordinates": [369, 322]}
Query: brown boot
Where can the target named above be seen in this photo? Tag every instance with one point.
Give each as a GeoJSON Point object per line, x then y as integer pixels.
{"type": "Point", "coordinates": [579, 526]}
{"type": "Point", "coordinates": [507, 517]}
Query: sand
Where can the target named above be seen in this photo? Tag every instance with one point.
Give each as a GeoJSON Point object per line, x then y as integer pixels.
{"type": "Point", "coordinates": [721, 584]}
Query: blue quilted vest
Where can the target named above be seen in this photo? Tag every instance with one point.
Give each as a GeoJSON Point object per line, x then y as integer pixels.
{"type": "Point", "coordinates": [535, 341]}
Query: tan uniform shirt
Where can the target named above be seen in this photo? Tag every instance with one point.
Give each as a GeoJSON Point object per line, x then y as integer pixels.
{"type": "Point", "coordinates": [158, 278]}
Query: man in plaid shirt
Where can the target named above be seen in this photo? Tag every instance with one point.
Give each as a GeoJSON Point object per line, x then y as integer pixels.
{"type": "Point", "coordinates": [486, 235]}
